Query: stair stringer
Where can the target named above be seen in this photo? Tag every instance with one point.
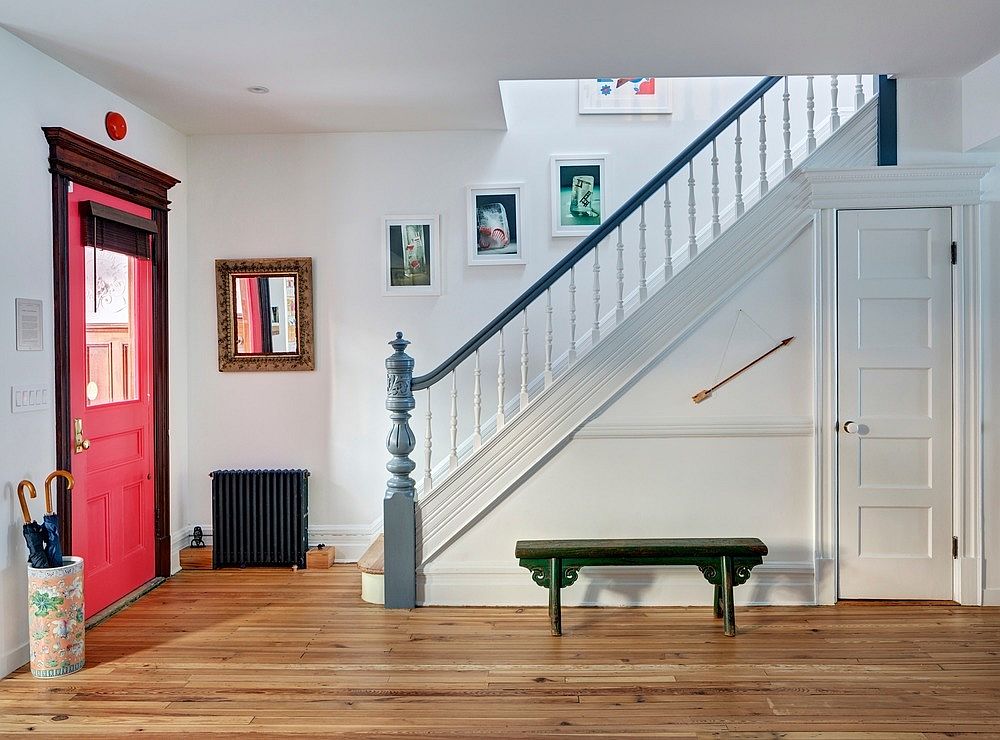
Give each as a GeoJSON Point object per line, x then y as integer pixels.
{"type": "Point", "coordinates": [601, 375]}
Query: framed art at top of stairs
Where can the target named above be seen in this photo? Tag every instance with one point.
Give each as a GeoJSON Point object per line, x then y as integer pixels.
{"type": "Point", "coordinates": [625, 95]}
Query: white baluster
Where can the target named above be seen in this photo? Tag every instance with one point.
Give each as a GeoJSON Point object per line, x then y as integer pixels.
{"type": "Point", "coordinates": [834, 110]}
{"type": "Point", "coordinates": [548, 338]}
{"type": "Point", "coordinates": [642, 253]}
{"type": "Point", "coordinates": [524, 361]}
{"type": "Point", "coordinates": [500, 385]}
{"type": "Point", "coordinates": [763, 150]}
{"type": "Point", "coordinates": [620, 272]}
{"type": "Point", "coordinates": [810, 115]}
{"type": "Point", "coordinates": [739, 171]}
{"type": "Point", "coordinates": [859, 92]}
{"type": "Point", "coordinates": [716, 225]}
{"type": "Point", "coordinates": [668, 260]}
{"type": "Point", "coordinates": [428, 479]}
{"type": "Point", "coordinates": [595, 331]}
{"type": "Point", "coordinates": [786, 129]}
{"type": "Point", "coordinates": [572, 314]}
{"type": "Point", "coordinates": [692, 217]}
{"type": "Point", "coordinates": [477, 407]}
{"type": "Point", "coordinates": [453, 457]}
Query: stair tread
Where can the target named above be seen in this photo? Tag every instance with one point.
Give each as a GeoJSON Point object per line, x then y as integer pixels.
{"type": "Point", "coordinates": [373, 561]}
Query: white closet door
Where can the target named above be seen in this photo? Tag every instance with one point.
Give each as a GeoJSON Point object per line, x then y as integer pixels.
{"type": "Point", "coordinates": [894, 372]}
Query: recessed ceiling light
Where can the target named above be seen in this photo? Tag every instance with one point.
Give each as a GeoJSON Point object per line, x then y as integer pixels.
{"type": "Point", "coordinates": [258, 90]}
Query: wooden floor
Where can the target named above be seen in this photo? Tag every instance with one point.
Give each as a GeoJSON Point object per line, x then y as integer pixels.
{"type": "Point", "coordinates": [280, 653]}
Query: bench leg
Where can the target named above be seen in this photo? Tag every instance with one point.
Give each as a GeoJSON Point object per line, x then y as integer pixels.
{"type": "Point", "coordinates": [728, 608]}
{"type": "Point", "coordinates": [555, 585]}
{"type": "Point", "coordinates": [717, 602]}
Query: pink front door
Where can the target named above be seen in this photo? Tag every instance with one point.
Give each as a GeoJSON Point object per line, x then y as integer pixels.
{"type": "Point", "coordinates": [112, 407]}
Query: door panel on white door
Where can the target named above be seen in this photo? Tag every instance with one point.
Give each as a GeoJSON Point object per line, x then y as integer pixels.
{"type": "Point", "coordinates": [894, 377]}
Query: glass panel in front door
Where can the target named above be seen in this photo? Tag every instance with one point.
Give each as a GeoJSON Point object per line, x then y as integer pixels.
{"type": "Point", "coordinates": [111, 327]}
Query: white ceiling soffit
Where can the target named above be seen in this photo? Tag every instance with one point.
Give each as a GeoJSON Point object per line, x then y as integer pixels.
{"type": "Point", "coordinates": [381, 65]}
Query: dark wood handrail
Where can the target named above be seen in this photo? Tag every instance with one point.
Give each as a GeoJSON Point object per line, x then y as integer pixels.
{"type": "Point", "coordinates": [597, 236]}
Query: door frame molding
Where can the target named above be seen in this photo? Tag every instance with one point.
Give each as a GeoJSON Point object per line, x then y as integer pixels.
{"type": "Point", "coordinates": [74, 158]}
{"type": "Point", "coordinates": [957, 188]}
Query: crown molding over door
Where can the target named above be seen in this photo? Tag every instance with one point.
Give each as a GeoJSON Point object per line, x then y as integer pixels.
{"type": "Point", "coordinates": [74, 158]}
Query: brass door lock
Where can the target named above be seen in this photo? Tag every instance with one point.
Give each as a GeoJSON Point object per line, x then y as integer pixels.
{"type": "Point", "coordinates": [81, 444]}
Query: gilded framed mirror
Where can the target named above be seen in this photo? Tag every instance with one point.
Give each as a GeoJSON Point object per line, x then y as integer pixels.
{"type": "Point", "coordinates": [265, 314]}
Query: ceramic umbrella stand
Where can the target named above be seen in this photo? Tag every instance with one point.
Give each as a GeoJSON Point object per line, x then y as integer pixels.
{"type": "Point", "coordinates": [55, 618]}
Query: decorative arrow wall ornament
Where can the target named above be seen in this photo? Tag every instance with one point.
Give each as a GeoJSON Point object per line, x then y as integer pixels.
{"type": "Point", "coordinates": [702, 395]}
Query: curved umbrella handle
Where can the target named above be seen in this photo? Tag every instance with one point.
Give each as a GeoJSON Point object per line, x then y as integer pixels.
{"type": "Point", "coordinates": [25, 485]}
{"type": "Point", "coordinates": [48, 486]}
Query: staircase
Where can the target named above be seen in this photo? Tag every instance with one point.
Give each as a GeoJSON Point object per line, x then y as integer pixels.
{"type": "Point", "coordinates": [699, 261]}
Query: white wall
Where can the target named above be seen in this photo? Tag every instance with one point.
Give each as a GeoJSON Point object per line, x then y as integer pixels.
{"type": "Point", "coordinates": [36, 91]}
{"type": "Point", "coordinates": [981, 132]}
{"type": "Point", "coordinates": [929, 120]}
{"type": "Point", "coordinates": [990, 284]}
{"type": "Point", "coordinates": [324, 196]}
{"type": "Point", "coordinates": [654, 464]}
{"type": "Point", "coordinates": [981, 106]}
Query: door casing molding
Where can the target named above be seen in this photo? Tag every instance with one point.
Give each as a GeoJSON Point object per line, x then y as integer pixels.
{"type": "Point", "coordinates": [73, 158]}
{"type": "Point", "coordinates": [957, 188]}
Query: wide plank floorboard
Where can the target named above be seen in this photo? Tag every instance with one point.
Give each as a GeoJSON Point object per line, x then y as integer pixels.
{"type": "Point", "coordinates": [278, 654]}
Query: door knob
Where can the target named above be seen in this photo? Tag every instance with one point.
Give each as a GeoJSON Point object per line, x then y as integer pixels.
{"type": "Point", "coordinates": [80, 443]}
{"type": "Point", "coordinates": [851, 427]}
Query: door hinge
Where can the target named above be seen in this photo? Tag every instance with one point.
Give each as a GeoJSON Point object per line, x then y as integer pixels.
{"type": "Point", "coordinates": [954, 548]}
{"type": "Point", "coordinates": [954, 253]}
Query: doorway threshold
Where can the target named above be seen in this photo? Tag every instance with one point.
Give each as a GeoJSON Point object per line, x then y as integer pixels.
{"type": "Point", "coordinates": [122, 603]}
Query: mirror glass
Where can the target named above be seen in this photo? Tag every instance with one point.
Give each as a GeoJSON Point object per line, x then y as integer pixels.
{"type": "Point", "coordinates": [265, 315]}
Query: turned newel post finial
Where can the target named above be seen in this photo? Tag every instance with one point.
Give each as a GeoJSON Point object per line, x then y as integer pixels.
{"type": "Point", "coordinates": [398, 506]}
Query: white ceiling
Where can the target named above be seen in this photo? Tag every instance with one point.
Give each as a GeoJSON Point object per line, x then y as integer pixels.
{"type": "Point", "coordinates": [379, 65]}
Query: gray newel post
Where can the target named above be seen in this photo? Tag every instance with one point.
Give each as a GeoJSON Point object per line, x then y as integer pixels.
{"type": "Point", "coordinates": [399, 522]}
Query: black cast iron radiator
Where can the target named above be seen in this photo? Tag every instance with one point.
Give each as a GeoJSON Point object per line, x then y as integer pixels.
{"type": "Point", "coordinates": [260, 518]}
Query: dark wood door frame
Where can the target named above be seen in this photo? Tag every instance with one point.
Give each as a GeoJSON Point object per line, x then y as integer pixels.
{"type": "Point", "coordinates": [73, 158]}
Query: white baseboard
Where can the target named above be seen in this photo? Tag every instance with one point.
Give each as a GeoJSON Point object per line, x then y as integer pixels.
{"type": "Point", "coordinates": [179, 539]}
{"type": "Point", "coordinates": [969, 593]}
{"type": "Point", "coordinates": [503, 584]}
{"type": "Point", "coordinates": [350, 540]}
{"type": "Point", "coordinates": [826, 581]}
{"type": "Point", "coordinates": [991, 597]}
{"type": "Point", "coordinates": [14, 659]}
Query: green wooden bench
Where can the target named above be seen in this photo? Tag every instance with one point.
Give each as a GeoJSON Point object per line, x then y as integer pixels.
{"type": "Point", "coordinates": [724, 562]}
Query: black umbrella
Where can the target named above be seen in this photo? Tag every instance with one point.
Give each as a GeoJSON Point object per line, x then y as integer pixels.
{"type": "Point", "coordinates": [34, 533]}
{"type": "Point", "coordinates": [51, 520]}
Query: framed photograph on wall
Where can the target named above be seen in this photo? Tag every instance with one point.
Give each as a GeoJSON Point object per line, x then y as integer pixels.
{"type": "Point", "coordinates": [579, 194]}
{"type": "Point", "coordinates": [411, 256]}
{"type": "Point", "coordinates": [495, 236]}
{"type": "Point", "coordinates": [625, 95]}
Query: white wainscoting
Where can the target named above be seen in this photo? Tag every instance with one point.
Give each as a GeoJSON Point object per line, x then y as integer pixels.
{"type": "Point", "coordinates": [795, 426]}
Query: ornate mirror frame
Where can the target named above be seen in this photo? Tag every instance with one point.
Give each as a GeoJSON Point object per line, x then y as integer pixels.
{"type": "Point", "coordinates": [229, 360]}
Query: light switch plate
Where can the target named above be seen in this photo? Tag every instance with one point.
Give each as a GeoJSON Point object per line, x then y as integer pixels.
{"type": "Point", "coordinates": [25, 398]}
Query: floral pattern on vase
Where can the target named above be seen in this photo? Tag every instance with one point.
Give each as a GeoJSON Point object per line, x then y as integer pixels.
{"type": "Point", "coordinates": [55, 619]}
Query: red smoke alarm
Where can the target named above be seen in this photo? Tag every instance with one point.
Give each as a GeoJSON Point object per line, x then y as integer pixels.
{"type": "Point", "coordinates": [115, 125]}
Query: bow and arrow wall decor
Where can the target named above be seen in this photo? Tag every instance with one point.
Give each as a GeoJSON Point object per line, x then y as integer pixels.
{"type": "Point", "coordinates": [777, 344]}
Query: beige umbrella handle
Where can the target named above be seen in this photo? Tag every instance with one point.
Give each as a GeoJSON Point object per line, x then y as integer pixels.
{"type": "Point", "coordinates": [48, 486]}
{"type": "Point", "coordinates": [25, 485]}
